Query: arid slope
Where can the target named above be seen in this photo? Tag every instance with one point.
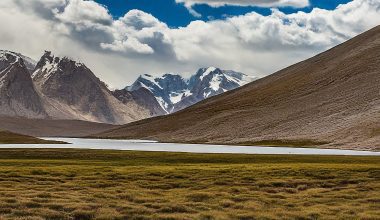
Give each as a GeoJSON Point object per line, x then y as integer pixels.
{"type": "Point", "coordinates": [52, 128]}
{"type": "Point", "coordinates": [7, 137]}
{"type": "Point", "coordinates": [333, 97]}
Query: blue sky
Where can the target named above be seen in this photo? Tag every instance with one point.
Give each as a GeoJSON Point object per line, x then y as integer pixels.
{"type": "Point", "coordinates": [175, 14]}
{"type": "Point", "coordinates": [121, 39]}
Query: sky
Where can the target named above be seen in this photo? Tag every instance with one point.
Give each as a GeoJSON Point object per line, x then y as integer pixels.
{"type": "Point", "coordinates": [121, 39]}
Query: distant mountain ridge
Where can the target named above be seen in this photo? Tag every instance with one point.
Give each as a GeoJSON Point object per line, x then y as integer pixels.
{"type": "Point", "coordinates": [61, 88]}
{"type": "Point", "coordinates": [174, 93]}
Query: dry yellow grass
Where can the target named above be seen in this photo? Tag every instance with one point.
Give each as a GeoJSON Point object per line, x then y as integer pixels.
{"type": "Point", "coordinates": [89, 184]}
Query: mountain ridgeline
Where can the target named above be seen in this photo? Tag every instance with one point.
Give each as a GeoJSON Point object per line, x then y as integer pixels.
{"type": "Point", "coordinates": [332, 100]}
{"type": "Point", "coordinates": [174, 93]}
{"type": "Point", "coordinates": [72, 90]}
{"type": "Point", "coordinates": [61, 88]}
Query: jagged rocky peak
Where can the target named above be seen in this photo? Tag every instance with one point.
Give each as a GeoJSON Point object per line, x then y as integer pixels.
{"type": "Point", "coordinates": [8, 58]}
{"type": "Point", "coordinates": [174, 92]}
{"type": "Point", "coordinates": [208, 73]}
{"type": "Point", "coordinates": [205, 71]}
{"type": "Point", "coordinates": [49, 63]}
{"type": "Point", "coordinates": [72, 83]}
{"type": "Point", "coordinates": [172, 82]}
{"type": "Point", "coordinates": [18, 96]}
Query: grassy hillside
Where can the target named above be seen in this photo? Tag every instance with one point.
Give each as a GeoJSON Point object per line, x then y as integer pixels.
{"type": "Point", "coordinates": [7, 137]}
{"type": "Point", "coordinates": [92, 184]}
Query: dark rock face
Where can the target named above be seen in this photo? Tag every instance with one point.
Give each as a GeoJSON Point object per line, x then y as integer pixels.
{"type": "Point", "coordinates": [18, 96]}
{"type": "Point", "coordinates": [142, 97]}
{"type": "Point", "coordinates": [170, 82]}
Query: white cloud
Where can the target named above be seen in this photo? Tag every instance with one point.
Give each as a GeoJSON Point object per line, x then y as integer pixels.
{"type": "Point", "coordinates": [260, 3]}
{"type": "Point", "coordinates": [127, 45]}
{"type": "Point", "coordinates": [81, 12]}
{"type": "Point", "coordinates": [132, 32]}
{"type": "Point", "coordinates": [139, 20]}
{"type": "Point", "coordinates": [120, 49]}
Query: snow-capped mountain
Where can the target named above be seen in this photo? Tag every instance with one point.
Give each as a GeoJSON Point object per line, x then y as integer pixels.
{"type": "Point", "coordinates": [18, 96]}
{"type": "Point", "coordinates": [71, 91]}
{"type": "Point", "coordinates": [174, 92]}
{"type": "Point", "coordinates": [167, 89]}
{"type": "Point", "coordinates": [61, 88]}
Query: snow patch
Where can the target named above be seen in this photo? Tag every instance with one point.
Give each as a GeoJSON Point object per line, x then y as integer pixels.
{"type": "Point", "coordinates": [162, 103]}
{"type": "Point", "coordinates": [208, 71]}
{"type": "Point", "coordinates": [206, 94]}
{"type": "Point", "coordinates": [151, 79]}
{"type": "Point", "coordinates": [78, 64]}
{"type": "Point", "coordinates": [47, 70]}
{"type": "Point", "coordinates": [187, 93]}
{"type": "Point", "coordinates": [176, 97]}
{"type": "Point", "coordinates": [244, 79]}
{"type": "Point", "coordinates": [215, 82]}
{"type": "Point", "coordinates": [4, 53]}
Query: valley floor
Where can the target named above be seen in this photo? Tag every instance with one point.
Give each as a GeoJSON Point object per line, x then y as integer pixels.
{"type": "Point", "coordinates": [105, 184]}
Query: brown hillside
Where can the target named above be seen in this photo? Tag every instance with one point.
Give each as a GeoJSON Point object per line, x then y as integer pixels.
{"type": "Point", "coordinates": [7, 137]}
{"type": "Point", "coordinates": [333, 97]}
{"type": "Point", "coordinates": [52, 128]}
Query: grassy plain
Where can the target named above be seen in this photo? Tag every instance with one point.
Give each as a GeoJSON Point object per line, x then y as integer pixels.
{"type": "Point", "coordinates": [102, 184]}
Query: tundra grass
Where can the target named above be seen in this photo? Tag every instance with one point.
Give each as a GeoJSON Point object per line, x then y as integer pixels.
{"type": "Point", "coordinates": [101, 184]}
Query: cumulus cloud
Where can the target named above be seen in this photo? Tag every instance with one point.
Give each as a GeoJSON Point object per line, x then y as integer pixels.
{"type": "Point", "coordinates": [86, 13]}
{"type": "Point", "coordinates": [261, 3]}
{"type": "Point", "coordinates": [120, 49]}
{"type": "Point", "coordinates": [128, 44]}
{"type": "Point", "coordinates": [133, 32]}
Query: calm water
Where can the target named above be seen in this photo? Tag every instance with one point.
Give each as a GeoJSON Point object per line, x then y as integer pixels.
{"type": "Point", "coordinates": [141, 145]}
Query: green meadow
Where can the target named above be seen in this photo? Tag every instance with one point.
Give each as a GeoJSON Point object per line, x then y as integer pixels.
{"type": "Point", "coordinates": [105, 184]}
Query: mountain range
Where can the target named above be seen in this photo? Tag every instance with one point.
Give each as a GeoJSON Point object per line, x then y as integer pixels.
{"type": "Point", "coordinates": [331, 100]}
{"type": "Point", "coordinates": [175, 93]}
{"type": "Point", "coordinates": [61, 88]}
